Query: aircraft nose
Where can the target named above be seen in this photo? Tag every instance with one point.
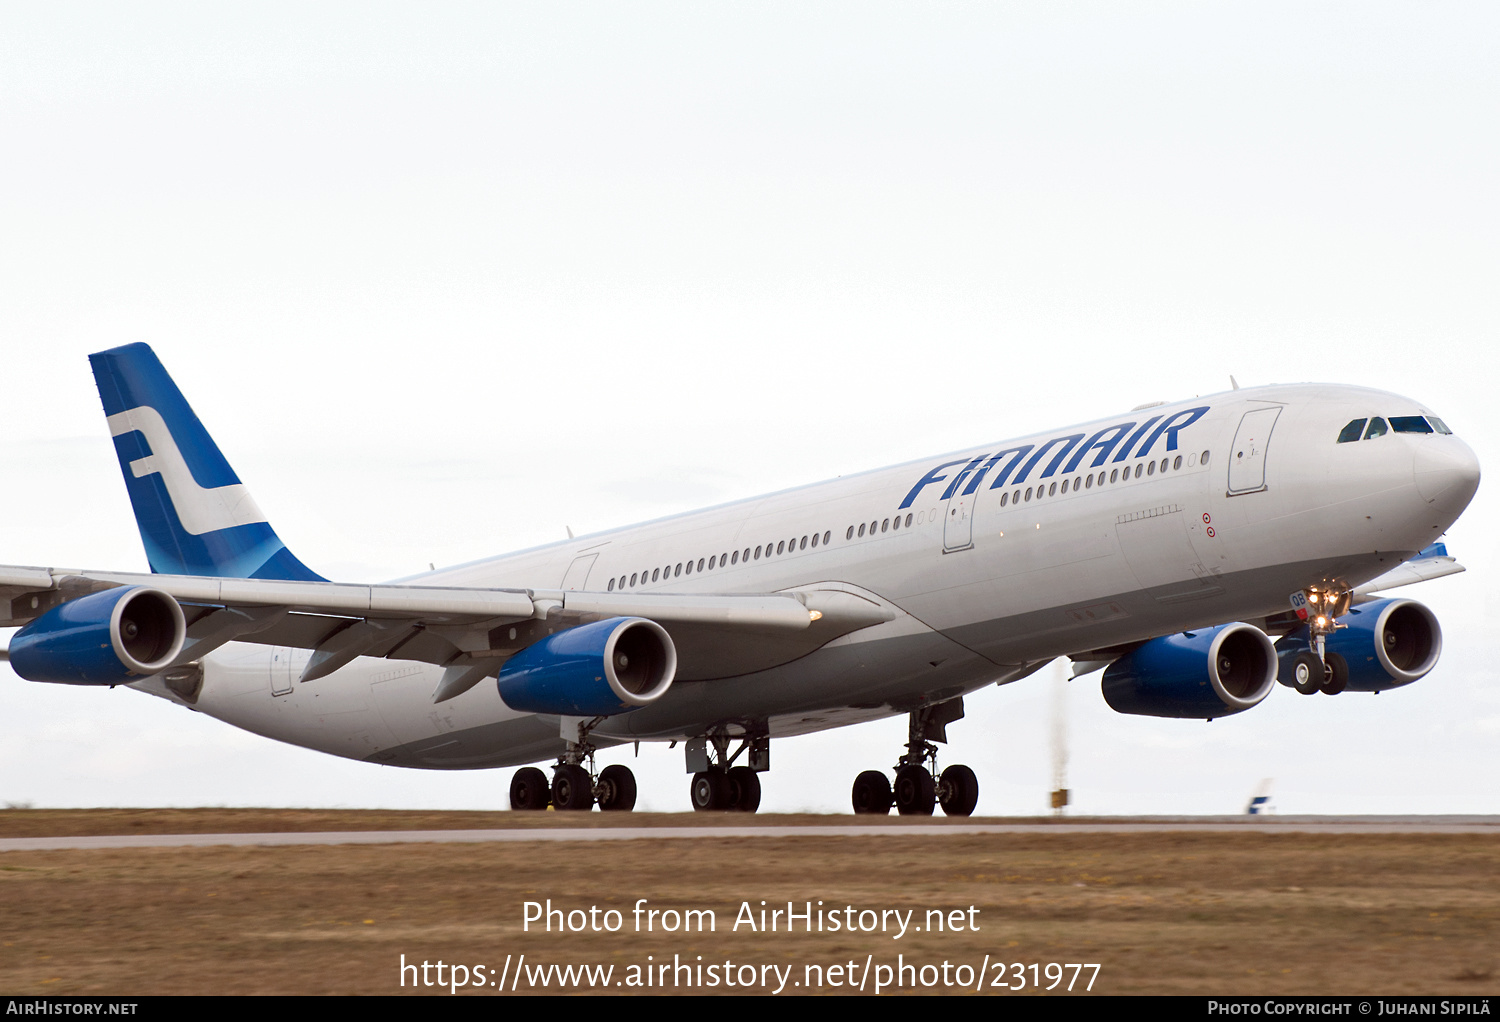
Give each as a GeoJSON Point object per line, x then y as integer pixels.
{"type": "Point", "coordinates": [1446, 472]}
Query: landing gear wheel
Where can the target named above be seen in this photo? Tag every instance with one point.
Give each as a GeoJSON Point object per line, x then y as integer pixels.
{"type": "Point", "coordinates": [572, 788]}
{"type": "Point", "coordinates": [529, 790]}
{"type": "Point", "coordinates": [710, 791]}
{"type": "Point", "coordinates": [1338, 676]}
{"type": "Point", "coordinates": [1304, 672]}
{"type": "Point", "coordinates": [744, 790]}
{"type": "Point", "coordinates": [958, 791]}
{"type": "Point", "coordinates": [872, 794]}
{"type": "Point", "coordinates": [616, 789]}
{"type": "Point", "coordinates": [915, 793]}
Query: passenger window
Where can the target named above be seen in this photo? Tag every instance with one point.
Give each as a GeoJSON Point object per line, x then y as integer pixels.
{"type": "Point", "coordinates": [757, 553]}
{"type": "Point", "coordinates": [1113, 473]}
{"type": "Point", "coordinates": [1164, 464]}
{"type": "Point", "coordinates": [872, 528]}
{"type": "Point", "coordinates": [861, 528]}
{"type": "Point", "coordinates": [1409, 424]}
{"type": "Point", "coordinates": [1352, 432]}
{"type": "Point", "coordinates": [747, 554]}
{"type": "Point", "coordinates": [1377, 428]}
{"type": "Point", "coordinates": [803, 544]}
{"type": "Point", "coordinates": [827, 534]}
{"type": "Point", "coordinates": [632, 578]}
{"type": "Point", "coordinates": [1028, 494]}
{"type": "Point", "coordinates": [1203, 458]}
{"type": "Point", "coordinates": [779, 546]}
{"type": "Point", "coordinates": [815, 541]}
{"type": "Point", "coordinates": [611, 586]}
{"type": "Point", "coordinates": [734, 558]}
{"type": "Point", "coordinates": [1150, 469]}
{"type": "Point", "coordinates": [885, 526]}
{"type": "Point", "coordinates": [677, 572]}
{"type": "Point", "coordinates": [700, 564]}
{"type": "Point", "coordinates": [850, 533]}
{"type": "Point", "coordinates": [1177, 463]}
{"type": "Point", "coordinates": [1004, 499]}
{"type": "Point", "coordinates": [689, 567]}
{"type": "Point", "coordinates": [711, 561]}
{"type": "Point", "coordinates": [1439, 425]}
{"type": "Point", "coordinates": [1138, 470]}
{"type": "Point", "coordinates": [654, 573]}
{"type": "Point", "coordinates": [1088, 482]}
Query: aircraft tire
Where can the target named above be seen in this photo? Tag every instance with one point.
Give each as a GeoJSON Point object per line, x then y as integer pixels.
{"type": "Point", "coordinates": [744, 789]}
{"type": "Point", "coordinates": [916, 794]}
{"type": "Point", "coordinates": [1306, 672]}
{"type": "Point", "coordinates": [958, 791]}
{"type": "Point", "coordinates": [572, 788]}
{"type": "Point", "coordinates": [616, 789]}
{"type": "Point", "coordinates": [709, 791]}
{"type": "Point", "coordinates": [872, 794]}
{"type": "Point", "coordinates": [529, 790]}
{"type": "Point", "coordinates": [1338, 676]}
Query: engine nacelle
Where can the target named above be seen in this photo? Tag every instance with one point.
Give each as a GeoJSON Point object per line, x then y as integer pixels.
{"type": "Point", "coordinates": [1387, 643]}
{"type": "Point", "coordinates": [599, 669]}
{"type": "Point", "coordinates": [1203, 674]}
{"type": "Point", "coordinates": [107, 638]}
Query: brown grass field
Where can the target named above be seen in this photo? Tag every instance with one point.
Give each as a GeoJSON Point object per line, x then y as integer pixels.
{"type": "Point", "coordinates": [1172, 913]}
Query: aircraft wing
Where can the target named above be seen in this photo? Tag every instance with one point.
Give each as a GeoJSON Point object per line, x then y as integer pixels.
{"type": "Point", "coordinates": [470, 631]}
{"type": "Point", "coordinates": [1432, 562]}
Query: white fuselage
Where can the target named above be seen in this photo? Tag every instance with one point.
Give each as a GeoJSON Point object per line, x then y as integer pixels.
{"type": "Point", "coordinates": [1122, 546]}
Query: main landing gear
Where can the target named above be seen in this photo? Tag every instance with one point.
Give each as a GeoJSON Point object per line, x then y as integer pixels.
{"type": "Point", "coordinates": [916, 792]}
{"type": "Point", "coordinates": [720, 785]}
{"type": "Point", "coordinates": [575, 786]}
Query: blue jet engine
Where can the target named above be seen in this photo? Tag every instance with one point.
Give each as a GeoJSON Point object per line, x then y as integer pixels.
{"type": "Point", "coordinates": [594, 670]}
{"type": "Point", "coordinates": [1203, 674]}
{"type": "Point", "coordinates": [1384, 644]}
{"type": "Point", "coordinates": [107, 638]}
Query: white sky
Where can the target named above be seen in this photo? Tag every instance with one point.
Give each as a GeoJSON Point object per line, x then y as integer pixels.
{"type": "Point", "coordinates": [445, 279]}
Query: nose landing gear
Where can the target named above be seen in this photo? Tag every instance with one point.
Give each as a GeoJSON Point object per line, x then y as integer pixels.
{"type": "Point", "coordinates": [916, 792]}
{"type": "Point", "coordinates": [1314, 669]}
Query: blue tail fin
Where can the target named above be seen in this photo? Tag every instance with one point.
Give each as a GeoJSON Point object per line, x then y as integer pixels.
{"type": "Point", "coordinates": [195, 516]}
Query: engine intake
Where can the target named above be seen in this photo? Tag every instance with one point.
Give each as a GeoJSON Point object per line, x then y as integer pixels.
{"type": "Point", "coordinates": [106, 638]}
{"type": "Point", "coordinates": [1202, 674]}
{"type": "Point", "coordinates": [598, 669]}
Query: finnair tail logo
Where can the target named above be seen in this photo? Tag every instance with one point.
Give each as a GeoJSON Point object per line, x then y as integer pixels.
{"type": "Point", "coordinates": [199, 509]}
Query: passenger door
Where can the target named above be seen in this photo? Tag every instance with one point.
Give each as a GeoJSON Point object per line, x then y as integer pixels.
{"type": "Point", "coordinates": [1247, 458]}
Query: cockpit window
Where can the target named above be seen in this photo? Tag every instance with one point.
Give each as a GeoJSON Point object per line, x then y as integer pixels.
{"type": "Point", "coordinates": [1410, 424]}
{"type": "Point", "coordinates": [1377, 428]}
{"type": "Point", "coordinates": [1352, 432]}
{"type": "Point", "coordinates": [1439, 424]}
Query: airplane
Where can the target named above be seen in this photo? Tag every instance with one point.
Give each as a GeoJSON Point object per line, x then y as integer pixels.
{"type": "Point", "coordinates": [1198, 553]}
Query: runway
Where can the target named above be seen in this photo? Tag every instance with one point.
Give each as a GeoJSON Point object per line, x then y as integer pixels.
{"type": "Point", "coordinates": [895, 827]}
